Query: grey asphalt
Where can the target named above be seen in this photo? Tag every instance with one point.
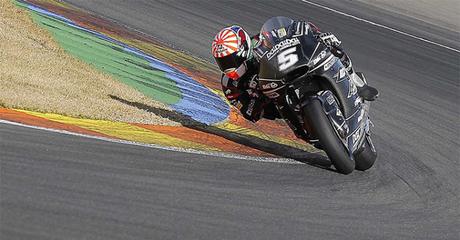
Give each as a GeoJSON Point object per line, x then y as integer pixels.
{"type": "Point", "coordinates": [55, 186]}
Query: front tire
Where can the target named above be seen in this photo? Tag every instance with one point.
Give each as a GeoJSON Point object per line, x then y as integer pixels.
{"type": "Point", "coordinates": [328, 138]}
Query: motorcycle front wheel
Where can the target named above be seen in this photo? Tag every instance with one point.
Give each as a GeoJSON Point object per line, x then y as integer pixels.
{"type": "Point", "coordinates": [328, 138]}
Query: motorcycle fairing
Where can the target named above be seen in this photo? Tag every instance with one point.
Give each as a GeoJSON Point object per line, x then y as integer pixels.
{"type": "Point", "coordinates": [312, 67]}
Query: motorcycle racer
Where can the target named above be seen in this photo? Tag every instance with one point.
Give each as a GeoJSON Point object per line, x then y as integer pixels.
{"type": "Point", "coordinates": [232, 49]}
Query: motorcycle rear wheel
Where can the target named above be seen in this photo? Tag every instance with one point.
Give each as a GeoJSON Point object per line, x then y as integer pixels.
{"type": "Point", "coordinates": [330, 142]}
{"type": "Point", "coordinates": [366, 157]}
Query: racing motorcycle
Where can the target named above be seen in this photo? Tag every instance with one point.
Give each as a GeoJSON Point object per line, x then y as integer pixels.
{"type": "Point", "coordinates": [314, 93]}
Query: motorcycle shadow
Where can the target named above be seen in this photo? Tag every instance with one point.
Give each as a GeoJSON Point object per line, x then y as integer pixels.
{"type": "Point", "coordinates": [313, 159]}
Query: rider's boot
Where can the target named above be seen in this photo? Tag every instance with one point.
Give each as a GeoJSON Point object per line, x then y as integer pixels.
{"type": "Point", "coordinates": [271, 112]}
{"type": "Point", "coordinates": [365, 91]}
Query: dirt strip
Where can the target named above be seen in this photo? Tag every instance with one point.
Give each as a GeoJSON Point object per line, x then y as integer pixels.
{"type": "Point", "coordinates": [38, 75]}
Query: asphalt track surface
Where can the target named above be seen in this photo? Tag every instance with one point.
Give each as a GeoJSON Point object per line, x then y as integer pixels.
{"type": "Point", "coordinates": [55, 186]}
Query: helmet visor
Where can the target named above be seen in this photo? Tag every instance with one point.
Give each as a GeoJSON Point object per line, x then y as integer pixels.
{"type": "Point", "coordinates": [229, 62]}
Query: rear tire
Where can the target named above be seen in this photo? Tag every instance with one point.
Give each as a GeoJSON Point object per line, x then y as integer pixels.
{"type": "Point", "coordinates": [328, 137]}
{"type": "Point", "coordinates": [365, 159]}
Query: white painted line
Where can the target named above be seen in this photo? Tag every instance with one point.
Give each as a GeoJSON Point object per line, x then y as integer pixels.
{"type": "Point", "coordinates": [382, 26]}
{"type": "Point", "coordinates": [175, 149]}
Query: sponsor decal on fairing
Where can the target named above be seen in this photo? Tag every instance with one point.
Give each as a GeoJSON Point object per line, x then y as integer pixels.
{"type": "Point", "coordinates": [282, 45]}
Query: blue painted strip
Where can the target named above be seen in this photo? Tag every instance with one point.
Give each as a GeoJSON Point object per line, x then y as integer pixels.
{"type": "Point", "coordinates": [197, 102]}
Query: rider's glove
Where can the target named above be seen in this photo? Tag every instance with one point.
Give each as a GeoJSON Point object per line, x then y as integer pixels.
{"type": "Point", "coordinates": [330, 39]}
{"type": "Point", "coordinates": [230, 88]}
{"type": "Point", "coordinates": [245, 96]}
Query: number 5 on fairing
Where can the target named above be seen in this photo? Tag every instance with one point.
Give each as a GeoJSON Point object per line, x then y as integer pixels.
{"type": "Point", "coordinates": [287, 58]}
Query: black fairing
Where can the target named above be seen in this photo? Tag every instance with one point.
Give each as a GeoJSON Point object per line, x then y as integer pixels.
{"type": "Point", "coordinates": [295, 67]}
{"type": "Point", "coordinates": [312, 59]}
{"type": "Point", "coordinates": [304, 49]}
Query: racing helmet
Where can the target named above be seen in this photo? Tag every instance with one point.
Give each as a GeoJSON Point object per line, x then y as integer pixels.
{"type": "Point", "coordinates": [231, 47]}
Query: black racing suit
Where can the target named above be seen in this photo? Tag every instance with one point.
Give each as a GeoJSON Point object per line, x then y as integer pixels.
{"type": "Point", "coordinates": [244, 94]}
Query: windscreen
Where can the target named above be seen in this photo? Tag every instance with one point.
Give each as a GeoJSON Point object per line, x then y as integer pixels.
{"type": "Point", "coordinates": [275, 30]}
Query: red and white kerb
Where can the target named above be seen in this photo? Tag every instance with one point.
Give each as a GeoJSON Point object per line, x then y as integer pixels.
{"type": "Point", "coordinates": [225, 43]}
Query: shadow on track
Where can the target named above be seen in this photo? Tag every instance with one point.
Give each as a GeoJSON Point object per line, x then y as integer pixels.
{"type": "Point", "coordinates": [274, 148]}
